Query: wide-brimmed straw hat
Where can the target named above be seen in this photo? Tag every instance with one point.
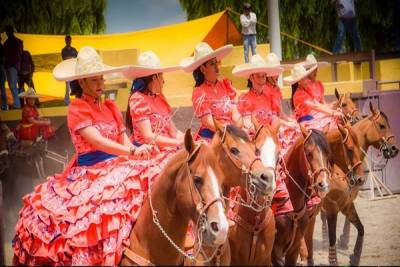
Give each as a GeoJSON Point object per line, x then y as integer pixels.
{"type": "Point", "coordinates": [30, 93]}
{"type": "Point", "coordinates": [311, 61]}
{"type": "Point", "coordinates": [273, 61]}
{"type": "Point", "coordinates": [203, 53]}
{"type": "Point", "coordinates": [298, 73]}
{"type": "Point", "coordinates": [257, 64]}
{"type": "Point", "coordinates": [148, 64]}
{"type": "Point", "coordinates": [87, 64]}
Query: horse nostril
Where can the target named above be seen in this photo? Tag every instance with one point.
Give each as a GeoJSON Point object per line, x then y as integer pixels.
{"type": "Point", "coordinates": [321, 185]}
{"type": "Point", "coordinates": [214, 227]}
{"type": "Point", "coordinates": [360, 180]}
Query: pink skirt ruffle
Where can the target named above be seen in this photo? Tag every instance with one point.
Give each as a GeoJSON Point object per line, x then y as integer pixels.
{"type": "Point", "coordinates": [85, 216]}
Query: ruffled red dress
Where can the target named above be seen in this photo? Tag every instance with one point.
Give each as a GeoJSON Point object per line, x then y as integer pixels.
{"type": "Point", "coordinates": [84, 215]}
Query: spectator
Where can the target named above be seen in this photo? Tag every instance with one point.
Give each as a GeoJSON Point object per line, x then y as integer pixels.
{"type": "Point", "coordinates": [4, 105]}
{"type": "Point", "coordinates": [12, 62]}
{"type": "Point", "coordinates": [248, 20]}
{"type": "Point", "coordinates": [66, 53]}
{"type": "Point", "coordinates": [26, 73]}
{"type": "Point", "coordinates": [347, 23]}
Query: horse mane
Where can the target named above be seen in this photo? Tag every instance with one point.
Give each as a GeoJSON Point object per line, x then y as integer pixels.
{"type": "Point", "coordinates": [238, 132]}
{"type": "Point", "coordinates": [318, 138]}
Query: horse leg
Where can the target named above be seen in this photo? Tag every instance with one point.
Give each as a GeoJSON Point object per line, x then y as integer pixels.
{"type": "Point", "coordinates": [324, 226]}
{"type": "Point", "coordinates": [303, 249]}
{"type": "Point", "coordinates": [344, 237]}
{"type": "Point", "coordinates": [351, 214]}
{"type": "Point", "coordinates": [308, 237]}
{"type": "Point", "coordinates": [332, 220]}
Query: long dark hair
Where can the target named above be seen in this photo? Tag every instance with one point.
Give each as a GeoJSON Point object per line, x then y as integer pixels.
{"type": "Point", "coordinates": [249, 84]}
{"type": "Point", "coordinates": [138, 85]}
{"type": "Point", "coordinates": [76, 89]}
{"type": "Point", "coordinates": [198, 76]}
{"type": "Point", "coordinates": [294, 89]}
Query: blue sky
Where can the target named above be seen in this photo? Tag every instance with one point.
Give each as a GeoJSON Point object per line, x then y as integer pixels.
{"type": "Point", "coordinates": [132, 15]}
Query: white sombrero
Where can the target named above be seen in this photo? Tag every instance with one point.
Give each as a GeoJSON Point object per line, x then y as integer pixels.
{"type": "Point", "coordinates": [87, 64]}
{"type": "Point", "coordinates": [203, 53]}
{"type": "Point", "coordinates": [30, 93]}
{"type": "Point", "coordinates": [256, 65]}
{"type": "Point", "coordinates": [148, 64]}
{"type": "Point", "coordinates": [311, 61]}
{"type": "Point", "coordinates": [298, 73]}
{"type": "Point", "coordinates": [273, 61]}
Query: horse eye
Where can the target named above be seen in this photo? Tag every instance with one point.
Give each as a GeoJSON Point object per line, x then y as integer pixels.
{"type": "Point", "coordinates": [234, 151]}
{"type": "Point", "coordinates": [344, 105]}
{"type": "Point", "coordinates": [309, 155]}
{"type": "Point", "coordinates": [258, 152]}
{"type": "Point", "coordinates": [381, 126]}
{"type": "Point", "coordinates": [198, 182]}
{"type": "Point", "coordinates": [350, 152]}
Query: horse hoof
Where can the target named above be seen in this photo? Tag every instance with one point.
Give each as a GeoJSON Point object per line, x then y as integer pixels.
{"type": "Point", "coordinates": [354, 261]}
{"type": "Point", "coordinates": [310, 262]}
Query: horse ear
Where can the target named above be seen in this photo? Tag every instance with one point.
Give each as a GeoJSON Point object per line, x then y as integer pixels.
{"type": "Point", "coordinates": [325, 130]}
{"type": "Point", "coordinates": [189, 143]}
{"type": "Point", "coordinates": [373, 110]}
{"type": "Point", "coordinates": [340, 102]}
{"type": "Point", "coordinates": [275, 124]}
{"type": "Point", "coordinates": [255, 122]}
{"type": "Point", "coordinates": [218, 126]}
{"type": "Point", "coordinates": [337, 94]}
{"type": "Point", "coordinates": [304, 131]}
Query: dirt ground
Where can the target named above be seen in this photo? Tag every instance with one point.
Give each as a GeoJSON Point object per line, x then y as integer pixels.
{"type": "Point", "coordinates": [382, 234]}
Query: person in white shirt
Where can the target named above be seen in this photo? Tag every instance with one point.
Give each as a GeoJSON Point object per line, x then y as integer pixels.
{"type": "Point", "coordinates": [248, 20]}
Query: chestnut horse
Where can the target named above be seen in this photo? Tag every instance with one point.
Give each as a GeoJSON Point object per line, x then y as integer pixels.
{"type": "Point", "coordinates": [343, 189]}
{"type": "Point", "coordinates": [347, 106]}
{"type": "Point", "coordinates": [306, 168]}
{"type": "Point", "coordinates": [186, 189]}
{"type": "Point", "coordinates": [375, 131]}
{"type": "Point", "coordinates": [252, 237]}
{"type": "Point", "coordinates": [243, 162]}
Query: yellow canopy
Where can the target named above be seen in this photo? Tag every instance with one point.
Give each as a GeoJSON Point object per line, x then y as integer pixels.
{"type": "Point", "coordinates": [171, 43]}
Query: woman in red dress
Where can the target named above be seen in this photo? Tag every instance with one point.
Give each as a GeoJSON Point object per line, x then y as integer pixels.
{"type": "Point", "coordinates": [256, 103]}
{"type": "Point", "coordinates": [149, 116]}
{"type": "Point", "coordinates": [213, 99]}
{"type": "Point", "coordinates": [33, 126]}
{"type": "Point", "coordinates": [84, 215]}
{"type": "Point", "coordinates": [308, 100]}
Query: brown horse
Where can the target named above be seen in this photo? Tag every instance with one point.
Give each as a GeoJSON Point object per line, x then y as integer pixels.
{"type": "Point", "coordinates": [347, 106]}
{"type": "Point", "coordinates": [243, 163]}
{"type": "Point", "coordinates": [187, 189]}
{"type": "Point", "coordinates": [375, 131]}
{"type": "Point", "coordinates": [346, 156]}
{"type": "Point", "coordinates": [252, 237]}
{"type": "Point", "coordinates": [307, 169]}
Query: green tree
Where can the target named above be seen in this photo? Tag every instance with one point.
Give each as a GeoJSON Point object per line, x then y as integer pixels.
{"type": "Point", "coordinates": [314, 21]}
{"type": "Point", "coordinates": [54, 16]}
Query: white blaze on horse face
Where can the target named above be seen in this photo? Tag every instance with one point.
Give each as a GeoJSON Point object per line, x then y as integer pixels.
{"type": "Point", "coordinates": [269, 156]}
{"type": "Point", "coordinates": [222, 221]}
{"type": "Point", "coordinates": [322, 161]}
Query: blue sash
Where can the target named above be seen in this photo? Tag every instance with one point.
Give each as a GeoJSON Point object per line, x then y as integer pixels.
{"type": "Point", "coordinates": [91, 158]}
{"type": "Point", "coordinates": [206, 133]}
{"type": "Point", "coordinates": [305, 118]}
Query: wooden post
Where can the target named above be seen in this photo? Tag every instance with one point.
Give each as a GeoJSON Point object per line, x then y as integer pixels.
{"type": "Point", "coordinates": [372, 65]}
{"type": "Point", "coordinates": [334, 71]}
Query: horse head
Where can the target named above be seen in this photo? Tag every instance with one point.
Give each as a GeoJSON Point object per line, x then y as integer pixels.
{"type": "Point", "coordinates": [240, 158]}
{"type": "Point", "coordinates": [199, 193]}
{"type": "Point", "coordinates": [352, 155]}
{"type": "Point", "coordinates": [317, 153]}
{"type": "Point", "coordinates": [380, 135]}
{"type": "Point", "coordinates": [347, 106]}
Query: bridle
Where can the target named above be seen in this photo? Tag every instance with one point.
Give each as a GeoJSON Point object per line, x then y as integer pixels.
{"type": "Point", "coordinates": [251, 190]}
{"type": "Point", "coordinates": [313, 175]}
{"type": "Point", "coordinates": [384, 140]}
{"type": "Point", "coordinates": [350, 168]}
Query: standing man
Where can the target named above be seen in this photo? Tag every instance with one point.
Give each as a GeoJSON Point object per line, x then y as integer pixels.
{"type": "Point", "coordinates": [12, 62]}
{"type": "Point", "coordinates": [347, 23]}
{"type": "Point", "coordinates": [66, 53]}
{"type": "Point", "coordinates": [25, 74]}
{"type": "Point", "coordinates": [4, 105]}
{"type": "Point", "coordinates": [248, 20]}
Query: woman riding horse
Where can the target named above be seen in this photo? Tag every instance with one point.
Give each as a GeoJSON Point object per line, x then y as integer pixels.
{"type": "Point", "coordinates": [84, 215]}
{"type": "Point", "coordinates": [213, 99]}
